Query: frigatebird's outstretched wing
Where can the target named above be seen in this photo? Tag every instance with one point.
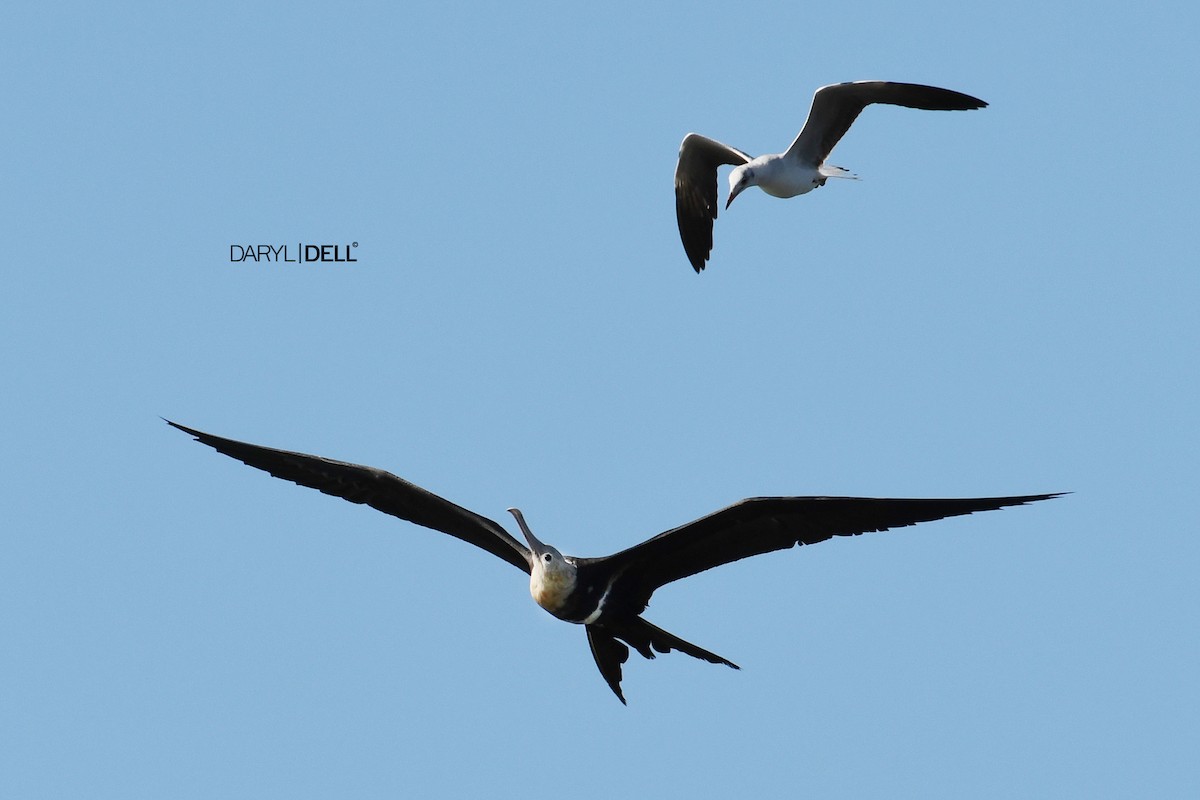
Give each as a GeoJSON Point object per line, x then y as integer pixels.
{"type": "Point", "coordinates": [835, 107]}
{"type": "Point", "coordinates": [696, 192]}
{"type": "Point", "coordinates": [378, 489]}
{"type": "Point", "coordinates": [764, 524]}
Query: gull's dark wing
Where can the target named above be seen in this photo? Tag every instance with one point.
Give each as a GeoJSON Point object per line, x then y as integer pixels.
{"type": "Point", "coordinates": [378, 489]}
{"type": "Point", "coordinates": [764, 524]}
{"type": "Point", "coordinates": [835, 107]}
{"type": "Point", "coordinates": [696, 192]}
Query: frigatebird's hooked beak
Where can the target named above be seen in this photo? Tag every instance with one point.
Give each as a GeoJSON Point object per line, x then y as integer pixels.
{"type": "Point", "coordinates": [535, 544]}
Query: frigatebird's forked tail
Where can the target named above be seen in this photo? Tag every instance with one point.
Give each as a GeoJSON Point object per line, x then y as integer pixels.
{"type": "Point", "coordinates": [610, 653]}
{"type": "Point", "coordinates": [607, 595]}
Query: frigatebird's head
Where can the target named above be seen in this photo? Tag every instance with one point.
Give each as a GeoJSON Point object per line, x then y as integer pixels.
{"type": "Point", "coordinates": [740, 179]}
{"type": "Point", "coordinates": [551, 576]}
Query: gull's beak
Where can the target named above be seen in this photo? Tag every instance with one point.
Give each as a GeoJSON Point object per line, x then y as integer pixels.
{"type": "Point", "coordinates": [734, 192]}
{"type": "Point", "coordinates": [535, 544]}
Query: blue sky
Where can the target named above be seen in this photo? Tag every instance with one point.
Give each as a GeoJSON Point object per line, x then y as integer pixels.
{"type": "Point", "coordinates": [1004, 304]}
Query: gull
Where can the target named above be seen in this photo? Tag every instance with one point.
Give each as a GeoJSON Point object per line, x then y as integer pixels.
{"type": "Point", "coordinates": [607, 595]}
{"type": "Point", "coordinates": [799, 169]}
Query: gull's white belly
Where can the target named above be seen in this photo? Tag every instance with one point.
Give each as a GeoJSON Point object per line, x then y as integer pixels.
{"type": "Point", "coordinates": [789, 180]}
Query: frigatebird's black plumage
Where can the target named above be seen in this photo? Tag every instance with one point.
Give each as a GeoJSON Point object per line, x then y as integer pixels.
{"type": "Point", "coordinates": [607, 595]}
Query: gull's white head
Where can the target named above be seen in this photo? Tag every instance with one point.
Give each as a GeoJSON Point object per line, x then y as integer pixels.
{"type": "Point", "coordinates": [740, 179]}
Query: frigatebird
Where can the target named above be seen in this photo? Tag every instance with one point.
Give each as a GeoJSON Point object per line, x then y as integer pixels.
{"type": "Point", "coordinates": [607, 595]}
{"type": "Point", "coordinates": [799, 169]}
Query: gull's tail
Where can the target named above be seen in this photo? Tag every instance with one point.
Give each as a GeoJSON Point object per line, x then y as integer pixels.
{"type": "Point", "coordinates": [830, 171]}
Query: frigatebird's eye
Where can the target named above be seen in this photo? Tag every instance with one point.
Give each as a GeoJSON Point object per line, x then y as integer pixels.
{"type": "Point", "coordinates": [548, 558]}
